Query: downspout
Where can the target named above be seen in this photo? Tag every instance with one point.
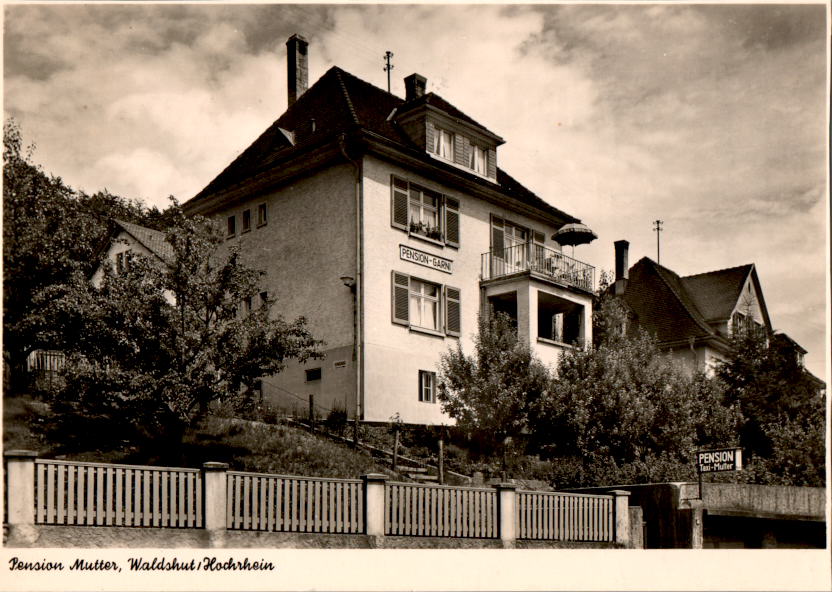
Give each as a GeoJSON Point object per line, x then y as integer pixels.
{"type": "Point", "coordinates": [358, 302]}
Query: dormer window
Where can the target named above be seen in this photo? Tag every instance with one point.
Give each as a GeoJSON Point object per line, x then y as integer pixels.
{"type": "Point", "coordinates": [444, 144]}
{"type": "Point", "coordinates": [479, 160]}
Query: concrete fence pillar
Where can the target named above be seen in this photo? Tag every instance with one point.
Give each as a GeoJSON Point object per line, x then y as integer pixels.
{"type": "Point", "coordinates": [621, 513]}
{"type": "Point", "coordinates": [20, 472]}
{"type": "Point", "coordinates": [507, 512]}
{"type": "Point", "coordinates": [215, 484]}
{"type": "Point", "coordinates": [374, 485]}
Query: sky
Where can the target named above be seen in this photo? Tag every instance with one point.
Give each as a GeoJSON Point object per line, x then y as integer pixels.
{"type": "Point", "coordinates": [711, 118]}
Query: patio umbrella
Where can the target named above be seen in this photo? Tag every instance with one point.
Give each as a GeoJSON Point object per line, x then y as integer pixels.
{"type": "Point", "coordinates": [574, 234]}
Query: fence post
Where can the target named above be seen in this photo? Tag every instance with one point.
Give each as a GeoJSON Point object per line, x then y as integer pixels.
{"type": "Point", "coordinates": [621, 516]}
{"type": "Point", "coordinates": [214, 481]}
{"type": "Point", "coordinates": [374, 505]}
{"type": "Point", "coordinates": [507, 512]}
{"type": "Point", "coordinates": [20, 496]}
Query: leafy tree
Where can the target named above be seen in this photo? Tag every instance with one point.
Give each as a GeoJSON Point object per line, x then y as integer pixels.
{"type": "Point", "coordinates": [50, 233]}
{"type": "Point", "coordinates": [490, 393]}
{"type": "Point", "coordinates": [623, 412]}
{"type": "Point", "coordinates": [152, 348]}
{"type": "Point", "coordinates": [782, 407]}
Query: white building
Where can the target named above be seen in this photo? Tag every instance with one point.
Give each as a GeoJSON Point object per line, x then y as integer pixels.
{"type": "Point", "coordinates": [388, 224]}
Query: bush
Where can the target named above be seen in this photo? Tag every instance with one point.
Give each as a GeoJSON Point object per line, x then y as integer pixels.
{"type": "Point", "coordinates": [337, 420]}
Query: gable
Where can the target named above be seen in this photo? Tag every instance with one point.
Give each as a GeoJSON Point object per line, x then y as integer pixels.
{"type": "Point", "coordinates": [716, 293]}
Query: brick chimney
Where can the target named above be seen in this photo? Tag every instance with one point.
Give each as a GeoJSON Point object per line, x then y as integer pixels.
{"type": "Point", "coordinates": [622, 271]}
{"type": "Point", "coordinates": [298, 67]}
{"type": "Point", "coordinates": [414, 86]}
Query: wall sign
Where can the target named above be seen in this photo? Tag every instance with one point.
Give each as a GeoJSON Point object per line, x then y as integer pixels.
{"type": "Point", "coordinates": [726, 459]}
{"type": "Point", "coordinates": [425, 259]}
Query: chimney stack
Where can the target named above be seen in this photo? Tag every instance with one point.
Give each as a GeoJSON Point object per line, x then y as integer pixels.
{"type": "Point", "coordinates": [414, 86]}
{"type": "Point", "coordinates": [622, 271]}
{"type": "Point", "coordinates": [298, 67]}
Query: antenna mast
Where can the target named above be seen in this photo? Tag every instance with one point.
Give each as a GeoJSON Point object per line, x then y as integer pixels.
{"type": "Point", "coordinates": [657, 228]}
{"type": "Point", "coordinates": [388, 66]}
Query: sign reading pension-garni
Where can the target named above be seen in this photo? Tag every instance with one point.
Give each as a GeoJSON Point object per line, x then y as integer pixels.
{"type": "Point", "coordinates": [426, 259]}
{"type": "Point", "coordinates": [725, 459]}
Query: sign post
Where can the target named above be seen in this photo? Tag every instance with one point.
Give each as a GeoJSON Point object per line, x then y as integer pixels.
{"type": "Point", "coordinates": [713, 461]}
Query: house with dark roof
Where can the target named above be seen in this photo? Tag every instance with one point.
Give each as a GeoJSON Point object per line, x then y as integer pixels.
{"type": "Point", "coordinates": [127, 238]}
{"type": "Point", "coordinates": [692, 317]}
{"type": "Point", "coordinates": [389, 225]}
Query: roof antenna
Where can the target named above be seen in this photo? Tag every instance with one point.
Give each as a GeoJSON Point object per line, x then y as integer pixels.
{"type": "Point", "coordinates": [388, 67]}
{"type": "Point", "coordinates": [657, 228]}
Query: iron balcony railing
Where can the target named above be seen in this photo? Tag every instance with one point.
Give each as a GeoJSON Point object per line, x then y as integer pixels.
{"type": "Point", "coordinates": [538, 259]}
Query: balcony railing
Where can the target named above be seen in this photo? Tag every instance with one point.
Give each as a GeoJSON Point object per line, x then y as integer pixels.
{"type": "Point", "coordinates": [538, 259]}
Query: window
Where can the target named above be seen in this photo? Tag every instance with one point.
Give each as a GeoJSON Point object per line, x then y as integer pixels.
{"type": "Point", "coordinates": [246, 220]}
{"type": "Point", "coordinates": [264, 298]}
{"type": "Point", "coordinates": [262, 215]}
{"type": "Point", "coordinates": [313, 374]}
{"type": "Point", "coordinates": [443, 144]}
{"type": "Point", "coordinates": [427, 386]}
{"type": "Point", "coordinates": [122, 262]}
{"type": "Point", "coordinates": [479, 160]}
{"type": "Point", "coordinates": [426, 306]}
{"type": "Point", "coordinates": [425, 213]}
{"type": "Point", "coordinates": [232, 226]}
{"type": "Point", "coordinates": [247, 306]}
{"type": "Point", "coordinates": [742, 324]}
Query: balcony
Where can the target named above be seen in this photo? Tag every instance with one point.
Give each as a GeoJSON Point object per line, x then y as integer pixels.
{"type": "Point", "coordinates": [541, 261]}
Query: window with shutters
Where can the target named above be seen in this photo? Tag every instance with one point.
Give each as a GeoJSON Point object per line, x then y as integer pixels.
{"type": "Point", "coordinates": [424, 213]}
{"type": "Point", "coordinates": [426, 306]}
{"type": "Point", "coordinates": [427, 386]}
{"type": "Point", "coordinates": [443, 144]}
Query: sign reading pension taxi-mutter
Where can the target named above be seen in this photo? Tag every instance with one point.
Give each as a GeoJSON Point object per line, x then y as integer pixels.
{"type": "Point", "coordinates": [725, 459]}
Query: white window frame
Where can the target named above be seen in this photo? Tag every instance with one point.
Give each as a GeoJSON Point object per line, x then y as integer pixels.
{"type": "Point", "coordinates": [443, 144]}
{"type": "Point", "coordinates": [411, 211]}
{"type": "Point", "coordinates": [479, 160]}
{"type": "Point", "coordinates": [422, 303]}
{"type": "Point", "coordinates": [427, 386]}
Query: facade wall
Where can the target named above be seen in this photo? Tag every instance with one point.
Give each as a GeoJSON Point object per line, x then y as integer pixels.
{"type": "Point", "coordinates": [394, 354]}
{"type": "Point", "coordinates": [306, 246]}
{"type": "Point", "coordinates": [122, 243]}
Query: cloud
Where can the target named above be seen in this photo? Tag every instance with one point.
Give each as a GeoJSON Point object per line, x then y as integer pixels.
{"type": "Point", "coordinates": [708, 117]}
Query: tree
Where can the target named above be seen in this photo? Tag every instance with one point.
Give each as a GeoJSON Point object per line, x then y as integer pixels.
{"type": "Point", "coordinates": [490, 394]}
{"type": "Point", "coordinates": [50, 233]}
{"type": "Point", "coordinates": [622, 412]}
{"type": "Point", "coordinates": [782, 408]}
{"type": "Point", "coordinates": [152, 348]}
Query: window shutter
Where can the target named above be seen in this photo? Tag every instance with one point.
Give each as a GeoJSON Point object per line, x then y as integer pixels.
{"type": "Point", "coordinates": [430, 137]}
{"type": "Point", "coordinates": [453, 308]}
{"type": "Point", "coordinates": [419, 384]}
{"type": "Point", "coordinates": [399, 205]}
{"type": "Point", "coordinates": [491, 165]}
{"type": "Point", "coordinates": [401, 298]}
{"type": "Point", "coordinates": [451, 222]}
{"type": "Point", "coordinates": [459, 149]}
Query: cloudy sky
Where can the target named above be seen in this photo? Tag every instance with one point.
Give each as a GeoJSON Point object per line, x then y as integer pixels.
{"type": "Point", "coordinates": [710, 117]}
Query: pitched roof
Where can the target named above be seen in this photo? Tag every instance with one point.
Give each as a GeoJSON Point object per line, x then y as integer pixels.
{"type": "Point", "coordinates": [154, 241]}
{"type": "Point", "coordinates": [716, 292]}
{"type": "Point", "coordinates": [340, 102]}
{"type": "Point", "coordinates": [662, 305]}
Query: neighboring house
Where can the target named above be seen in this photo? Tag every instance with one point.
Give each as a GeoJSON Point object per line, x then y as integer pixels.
{"type": "Point", "coordinates": [126, 239]}
{"type": "Point", "coordinates": [693, 317]}
{"type": "Point", "coordinates": [388, 224]}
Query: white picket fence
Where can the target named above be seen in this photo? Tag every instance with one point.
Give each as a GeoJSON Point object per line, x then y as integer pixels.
{"type": "Point", "coordinates": [66, 493]}
{"type": "Point", "coordinates": [94, 494]}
